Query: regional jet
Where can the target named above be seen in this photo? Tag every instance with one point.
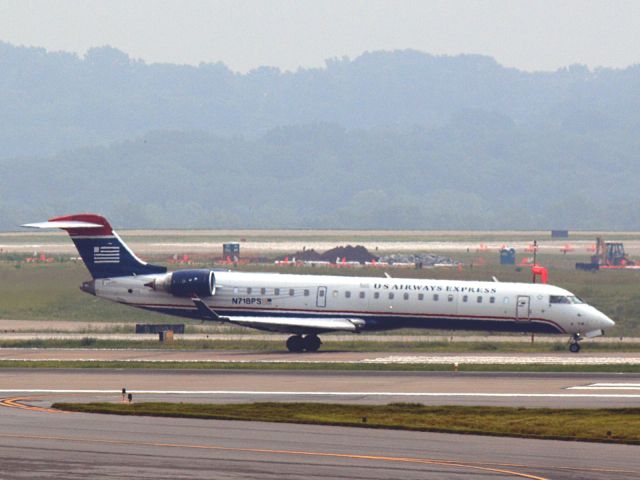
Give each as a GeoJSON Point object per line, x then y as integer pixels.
{"type": "Point", "coordinates": [309, 305]}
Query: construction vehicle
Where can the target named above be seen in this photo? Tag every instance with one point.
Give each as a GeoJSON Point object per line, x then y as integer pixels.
{"type": "Point", "coordinates": [608, 255]}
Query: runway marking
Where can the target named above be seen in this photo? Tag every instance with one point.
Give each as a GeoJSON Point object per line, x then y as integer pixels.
{"type": "Point", "coordinates": [150, 357]}
{"type": "Point", "coordinates": [607, 386]}
{"type": "Point", "coordinates": [16, 403]}
{"type": "Point", "coordinates": [423, 461]}
{"type": "Point", "coordinates": [333, 394]}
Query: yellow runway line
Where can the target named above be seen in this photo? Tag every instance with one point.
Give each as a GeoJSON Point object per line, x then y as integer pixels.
{"type": "Point", "coordinates": [423, 461]}
{"type": "Point", "coordinates": [14, 402]}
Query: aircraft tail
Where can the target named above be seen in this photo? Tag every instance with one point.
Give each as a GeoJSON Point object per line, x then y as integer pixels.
{"type": "Point", "coordinates": [102, 250]}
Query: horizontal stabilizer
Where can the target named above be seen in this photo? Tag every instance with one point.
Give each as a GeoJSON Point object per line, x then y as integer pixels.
{"type": "Point", "coordinates": [63, 224]}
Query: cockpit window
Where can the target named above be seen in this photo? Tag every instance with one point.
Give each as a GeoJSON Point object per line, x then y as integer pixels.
{"type": "Point", "coordinates": [564, 299]}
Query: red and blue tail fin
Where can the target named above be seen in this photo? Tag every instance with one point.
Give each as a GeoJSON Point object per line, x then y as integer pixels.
{"type": "Point", "coordinates": [102, 250]}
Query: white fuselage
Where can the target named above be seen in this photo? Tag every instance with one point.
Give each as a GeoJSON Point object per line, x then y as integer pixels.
{"type": "Point", "coordinates": [381, 303]}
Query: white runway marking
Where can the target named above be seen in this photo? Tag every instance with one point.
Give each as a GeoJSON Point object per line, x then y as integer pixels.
{"type": "Point", "coordinates": [507, 359]}
{"type": "Point", "coordinates": [392, 359]}
{"type": "Point", "coordinates": [607, 386]}
{"type": "Point", "coordinates": [334, 394]}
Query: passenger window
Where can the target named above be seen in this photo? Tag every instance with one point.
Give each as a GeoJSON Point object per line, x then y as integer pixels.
{"type": "Point", "coordinates": [421, 296]}
{"type": "Point", "coordinates": [347, 294]}
{"type": "Point", "coordinates": [479, 299]}
{"type": "Point", "coordinates": [235, 290]}
{"type": "Point", "coordinates": [306, 293]}
{"type": "Point", "coordinates": [335, 293]}
{"type": "Point", "coordinates": [406, 296]}
{"type": "Point", "coordinates": [435, 297]}
{"type": "Point", "coordinates": [505, 300]}
{"type": "Point", "coordinates": [263, 291]}
{"type": "Point", "coordinates": [492, 299]}
{"type": "Point", "coordinates": [390, 295]}
{"type": "Point", "coordinates": [376, 295]}
{"type": "Point", "coordinates": [450, 297]}
{"type": "Point", "coordinates": [276, 292]}
{"type": "Point", "coordinates": [248, 290]}
{"type": "Point", "coordinates": [361, 294]}
{"type": "Point", "coordinates": [291, 291]}
{"type": "Point", "coordinates": [465, 298]}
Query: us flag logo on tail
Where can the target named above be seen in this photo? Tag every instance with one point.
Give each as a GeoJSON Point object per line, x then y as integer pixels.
{"type": "Point", "coordinates": [106, 254]}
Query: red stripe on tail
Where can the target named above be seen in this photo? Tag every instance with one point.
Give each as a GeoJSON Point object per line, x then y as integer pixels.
{"type": "Point", "coordinates": [86, 217]}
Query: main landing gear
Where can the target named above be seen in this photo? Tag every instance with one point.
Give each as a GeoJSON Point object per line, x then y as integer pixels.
{"type": "Point", "coordinates": [308, 343]}
{"type": "Point", "coordinates": [574, 346]}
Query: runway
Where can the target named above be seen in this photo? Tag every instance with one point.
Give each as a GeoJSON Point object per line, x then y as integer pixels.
{"type": "Point", "coordinates": [563, 390]}
{"type": "Point", "coordinates": [36, 442]}
{"type": "Point", "coordinates": [283, 356]}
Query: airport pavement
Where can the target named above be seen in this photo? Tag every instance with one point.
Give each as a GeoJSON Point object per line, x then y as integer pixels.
{"type": "Point", "coordinates": [283, 356]}
{"type": "Point", "coordinates": [560, 390]}
{"type": "Point", "coordinates": [44, 444]}
{"type": "Point", "coordinates": [36, 442]}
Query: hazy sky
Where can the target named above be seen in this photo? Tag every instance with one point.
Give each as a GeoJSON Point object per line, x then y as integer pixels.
{"type": "Point", "coordinates": [530, 35]}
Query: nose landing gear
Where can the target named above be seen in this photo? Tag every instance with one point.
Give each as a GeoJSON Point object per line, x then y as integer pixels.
{"type": "Point", "coordinates": [309, 343]}
{"type": "Point", "coordinates": [574, 346]}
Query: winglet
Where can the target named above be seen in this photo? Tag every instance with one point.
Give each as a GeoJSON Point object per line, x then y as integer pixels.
{"type": "Point", "coordinates": [205, 312]}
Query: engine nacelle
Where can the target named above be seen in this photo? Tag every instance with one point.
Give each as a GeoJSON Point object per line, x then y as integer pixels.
{"type": "Point", "coordinates": [186, 283]}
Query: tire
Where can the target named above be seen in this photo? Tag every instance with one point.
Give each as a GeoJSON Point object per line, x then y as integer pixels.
{"type": "Point", "coordinates": [312, 343]}
{"type": "Point", "coordinates": [574, 347]}
{"type": "Point", "coordinates": [295, 344]}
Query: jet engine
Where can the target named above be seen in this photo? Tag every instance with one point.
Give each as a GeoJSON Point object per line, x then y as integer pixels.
{"type": "Point", "coordinates": [186, 283]}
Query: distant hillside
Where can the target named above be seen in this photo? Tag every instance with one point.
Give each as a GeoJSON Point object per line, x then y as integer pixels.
{"type": "Point", "coordinates": [387, 140]}
{"type": "Point", "coordinates": [54, 101]}
{"type": "Point", "coordinates": [479, 171]}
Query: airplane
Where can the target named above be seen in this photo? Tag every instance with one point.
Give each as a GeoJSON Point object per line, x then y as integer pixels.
{"type": "Point", "coordinates": [309, 305]}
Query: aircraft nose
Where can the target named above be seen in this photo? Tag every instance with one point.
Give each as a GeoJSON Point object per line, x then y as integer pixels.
{"type": "Point", "coordinates": [605, 321]}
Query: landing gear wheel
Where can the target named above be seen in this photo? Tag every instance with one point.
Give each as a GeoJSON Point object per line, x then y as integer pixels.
{"type": "Point", "coordinates": [295, 343]}
{"type": "Point", "coordinates": [312, 343]}
{"type": "Point", "coordinates": [574, 346]}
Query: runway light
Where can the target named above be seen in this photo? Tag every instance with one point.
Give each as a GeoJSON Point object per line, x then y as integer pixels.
{"type": "Point", "coordinates": [124, 394]}
{"type": "Point", "coordinates": [130, 396]}
{"type": "Point", "coordinates": [455, 367]}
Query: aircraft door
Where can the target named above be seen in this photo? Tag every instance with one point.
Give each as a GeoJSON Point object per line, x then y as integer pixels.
{"type": "Point", "coordinates": [321, 297]}
{"type": "Point", "coordinates": [523, 308]}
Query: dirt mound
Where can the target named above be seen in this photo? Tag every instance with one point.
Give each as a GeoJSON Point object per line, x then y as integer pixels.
{"type": "Point", "coordinates": [349, 253]}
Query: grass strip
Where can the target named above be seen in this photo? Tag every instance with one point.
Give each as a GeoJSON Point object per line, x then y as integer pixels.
{"type": "Point", "coordinates": [589, 425]}
{"type": "Point", "coordinates": [318, 366]}
{"type": "Point", "coordinates": [277, 344]}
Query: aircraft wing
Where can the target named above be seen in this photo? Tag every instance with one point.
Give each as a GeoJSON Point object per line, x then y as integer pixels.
{"type": "Point", "coordinates": [283, 324]}
{"type": "Point", "coordinates": [299, 324]}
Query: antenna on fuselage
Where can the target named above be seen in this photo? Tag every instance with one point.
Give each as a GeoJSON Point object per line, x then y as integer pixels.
{"type": "Point", "coordinates": [495, 279]}
{"type": "Point", "coordinates": [387, 275]}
